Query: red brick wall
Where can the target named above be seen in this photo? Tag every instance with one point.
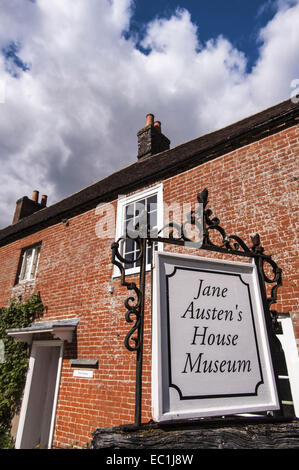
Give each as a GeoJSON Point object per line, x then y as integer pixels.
{"type": "Point", "coordinates": [251, 190]}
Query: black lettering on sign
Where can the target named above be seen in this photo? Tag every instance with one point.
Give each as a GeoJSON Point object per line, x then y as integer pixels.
{"type": "Point", "coordinates": [210, 291]}
{"type": "Point", "coordinates": [210, 339]}
{"type": "Point", "coordinates": [198, 365]}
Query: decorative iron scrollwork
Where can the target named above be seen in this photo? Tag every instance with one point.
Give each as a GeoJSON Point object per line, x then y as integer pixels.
{"type": "Point", "coordinates": [232, 244]}
{"type": "Point", "coordinates": [132, 303]}
{"type": "Point", "coordinates": [276, 281]}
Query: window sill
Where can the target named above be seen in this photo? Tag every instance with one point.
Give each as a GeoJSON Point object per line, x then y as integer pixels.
{"type": "Point", "coordinates": [129, 272]}
{"type": "Point", "coordinates": [25, 282]}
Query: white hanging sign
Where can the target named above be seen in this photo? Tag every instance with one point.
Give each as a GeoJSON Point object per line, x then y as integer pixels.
{"type": "Point", "coordinates": [210, 348]}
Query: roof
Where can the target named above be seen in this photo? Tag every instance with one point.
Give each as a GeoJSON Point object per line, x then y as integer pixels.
{"type": "Point", "coordinates": [155, 167]}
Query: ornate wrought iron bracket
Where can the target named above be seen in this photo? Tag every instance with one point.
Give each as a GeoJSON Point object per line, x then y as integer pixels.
{"type": "Point", "coordinates": [206, 225]}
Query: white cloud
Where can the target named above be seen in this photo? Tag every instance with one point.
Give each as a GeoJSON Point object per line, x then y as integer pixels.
{"type": "Point", "coordinates": [73, 118]}
{"type": "Point", "coordinates": [278, 61]}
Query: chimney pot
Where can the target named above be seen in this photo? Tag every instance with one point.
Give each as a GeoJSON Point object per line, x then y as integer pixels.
{"type": "Point", "coordinates": [44, 200]}
{"type": "Point", "coordinates": [149, 120]}
{"type": "Point", "coordinates": [157, 125]}
{"type": "Point", "coordinates": [35, 196]}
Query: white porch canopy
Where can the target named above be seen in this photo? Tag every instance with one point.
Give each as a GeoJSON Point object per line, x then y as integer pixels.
{"type": "Point", "coordinates": [61, 329]}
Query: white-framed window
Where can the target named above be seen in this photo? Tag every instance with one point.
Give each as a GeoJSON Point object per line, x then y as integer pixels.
{"type": "Point", "coordinates": [28, 263]}
{"type": "Point", "coordinates": [128, 211]}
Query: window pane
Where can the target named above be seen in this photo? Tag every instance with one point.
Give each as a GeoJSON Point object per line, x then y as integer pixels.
{"type": "Point", "coordinates": [127, 225]}
{"type": "Point", "coordinates": [151, 203]}
{"type": "Point", "coordinates": [28, 262]}
{"type": "Point", "coordinates": [139, 207]}
{"type": "Point", "coordinates": [130, 228]}
{"type": "Point", "coordinates": [35, 262]}
{"type": "Point", "coordinates": [129, 245]}
{"type": "Point", "coordinates": [138, 262]}
{"type": "Point", "coordinates": [129, 214]}
{"type": "Point", "coordinates": [21, 277]}
{"type": "Point", "coordinates": [129, 258]}
{"type": "Point", "coordinates": [152, 219]}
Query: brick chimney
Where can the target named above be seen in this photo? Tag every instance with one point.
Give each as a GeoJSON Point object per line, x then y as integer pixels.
{"type": "Point", "coordinates": [26, 206]}
{"type": "Point", "coordinates": [150, 138]}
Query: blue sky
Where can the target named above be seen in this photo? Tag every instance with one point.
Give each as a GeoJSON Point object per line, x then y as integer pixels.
{"type": "Point", "coordinates": [238, 20]}
{"type": "Point", "coordinates": [77, 78]}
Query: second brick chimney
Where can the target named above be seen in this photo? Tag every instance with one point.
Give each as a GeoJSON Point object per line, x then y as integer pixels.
{"type": "Point", "coordinates": [150, 138]}
{"type": "Point", "coordinates": [26, 206]}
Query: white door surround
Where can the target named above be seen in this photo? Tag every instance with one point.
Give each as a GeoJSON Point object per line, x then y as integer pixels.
{"type": "Point", "coordinates": [38, 412]}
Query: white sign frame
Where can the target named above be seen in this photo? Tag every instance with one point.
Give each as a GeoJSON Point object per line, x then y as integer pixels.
{"type": "Point", "coordinates": [169, 400]}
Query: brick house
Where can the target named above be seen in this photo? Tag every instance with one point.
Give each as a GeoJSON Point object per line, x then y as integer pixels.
{"type": "Point", "coordinates": [64, 252]}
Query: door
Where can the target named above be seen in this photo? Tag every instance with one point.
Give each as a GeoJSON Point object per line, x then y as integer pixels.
{"type": "Point", "coordinates": [38, 411]}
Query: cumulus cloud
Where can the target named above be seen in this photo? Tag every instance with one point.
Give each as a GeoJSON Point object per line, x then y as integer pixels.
{"type": "Point", "coordinates": [77, 88]}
